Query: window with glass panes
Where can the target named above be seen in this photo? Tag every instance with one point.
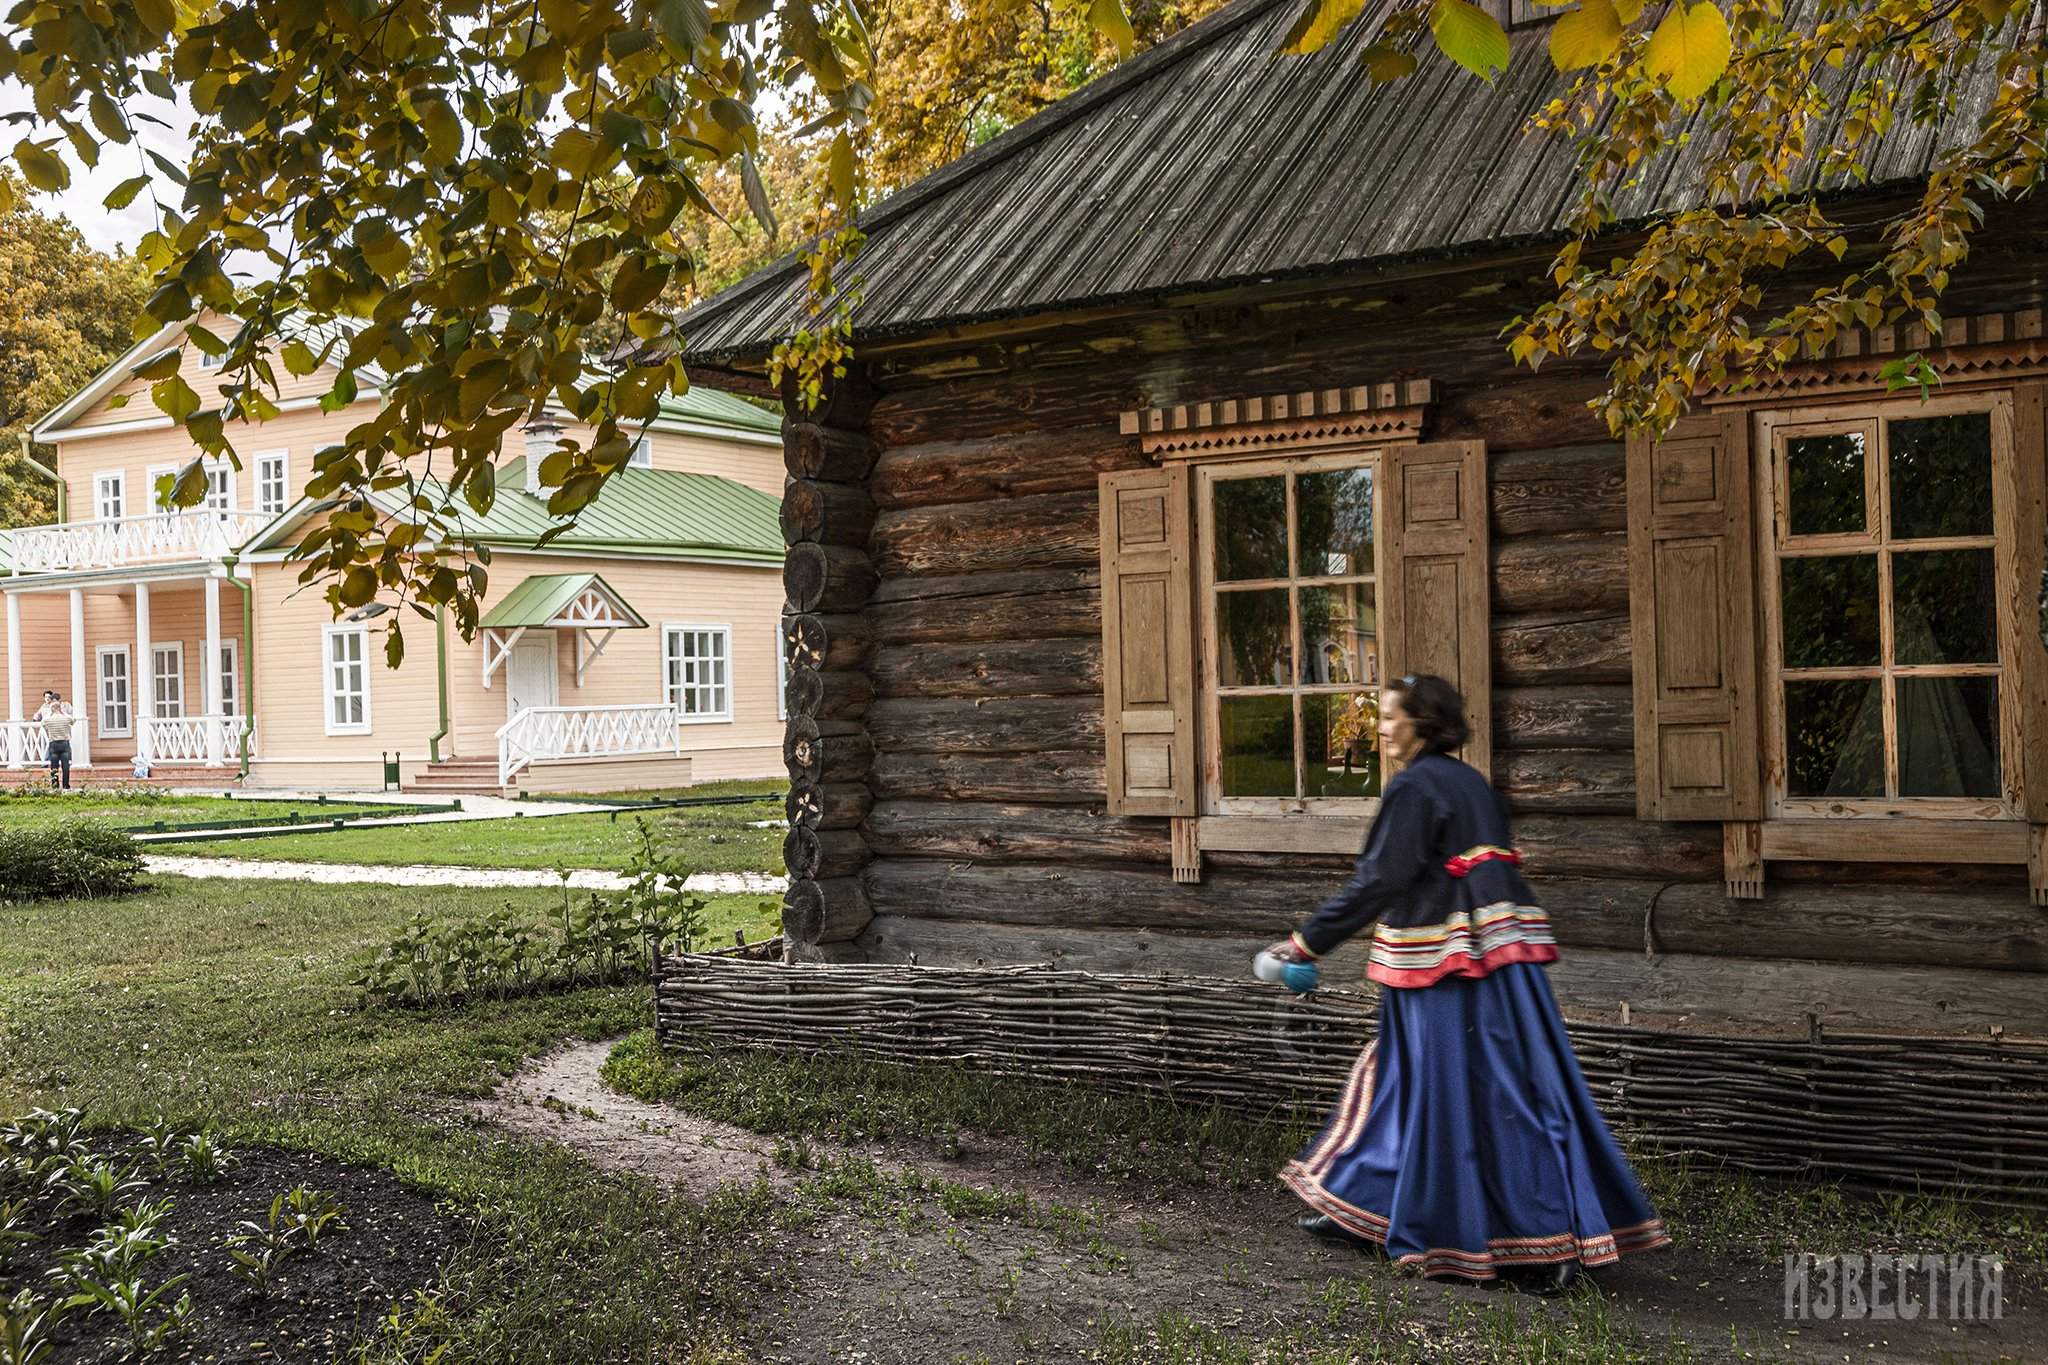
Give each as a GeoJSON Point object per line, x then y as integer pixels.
{"type": "Point", "coordinates": [695, 663]}
{"type": "Point", "coordinates": [1290, 638]}
{"type": "Point", "coordinates": [1888, 671]}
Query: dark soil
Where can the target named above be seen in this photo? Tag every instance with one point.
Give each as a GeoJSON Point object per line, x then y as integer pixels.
{"type": "Point", "coordinates": [395, 1241]}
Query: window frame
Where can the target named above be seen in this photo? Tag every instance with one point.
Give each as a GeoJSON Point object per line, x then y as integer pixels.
{"type": "Point", "coordinates": [117, 479]}
{"type": "Point", "coordinates": [100, 679]}
{"type": "Point", "coordinates": [230, 665]}
{"type": "Point", "coordinates": [328, 694]}
{"type": "Point", "coordinates": [1211, 802]}
{"type": "Point", "coordinates": [158, 650]}
{"type": "Point", "coordinates": [781, 675]}
{"type": "Point", "coordinates": [264, 459]}
{"type": "Point", "coordinates": [641, 456]}
{"type": "Point", "coordinates": [671, 693]}
{"type": "Point", "coordinates": [1773, 428]}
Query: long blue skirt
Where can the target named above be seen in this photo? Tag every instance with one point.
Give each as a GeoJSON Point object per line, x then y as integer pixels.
{"type": "Point", "coordinates": [1466, 1139]}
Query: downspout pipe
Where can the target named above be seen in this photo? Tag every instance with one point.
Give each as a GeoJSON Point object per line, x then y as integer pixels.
{"type": "Point", "coordinates": [28, 456]}
{"type": "Point", "coordinates": [248, 653]}
{"type": "Point", "coordinates": [441, 668]}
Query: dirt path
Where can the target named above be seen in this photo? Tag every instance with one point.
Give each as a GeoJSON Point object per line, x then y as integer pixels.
{"type": "Point", "coordinates": [929, 1258]}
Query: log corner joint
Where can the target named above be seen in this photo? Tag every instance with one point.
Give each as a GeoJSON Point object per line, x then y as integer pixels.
{"type": "Point", "coordinates": [1187, 849]}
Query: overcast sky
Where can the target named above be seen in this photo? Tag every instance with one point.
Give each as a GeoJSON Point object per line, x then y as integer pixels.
{"type": "Point", "coordinates": [84, 203]}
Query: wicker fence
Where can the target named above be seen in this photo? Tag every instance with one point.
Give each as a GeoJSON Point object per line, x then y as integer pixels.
{"type": "Point", "coordinates": [1936, 1114]}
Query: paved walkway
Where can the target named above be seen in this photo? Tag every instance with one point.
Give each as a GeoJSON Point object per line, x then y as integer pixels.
{"type": "Point", "coordinates": [253, 869]}
{"type": "Point", "coordinates": [473, 808]}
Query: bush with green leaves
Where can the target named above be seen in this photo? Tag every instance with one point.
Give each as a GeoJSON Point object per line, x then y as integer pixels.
{"type": "Point", "coordinates": [606, 939]}
{"type": "Point", "coordinates": [78, 858]}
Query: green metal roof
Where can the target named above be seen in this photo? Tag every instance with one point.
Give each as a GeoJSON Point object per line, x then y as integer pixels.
{"type": "Point", "coordinates": [715, 407]}
{"type": "Point", "coordinates": [543, 597]}
{"type": "Point", "coordinates": [638, 511]}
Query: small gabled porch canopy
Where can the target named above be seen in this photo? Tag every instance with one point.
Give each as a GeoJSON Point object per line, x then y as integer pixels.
{"type": "Point", "coordinates": [581, 603]}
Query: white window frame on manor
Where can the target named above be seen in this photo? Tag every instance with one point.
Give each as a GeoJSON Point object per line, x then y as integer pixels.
{"type": "Point", "coordinates": [167, 703]}
{"type": "Point", "coordinates": [109, 706]}
{"type": "Point", "coordinates": [781, 675]}
{"type": "Point", "coordinates": [231, 677]}
{"type": "Point", "coordinates": [682, 673]}
{"type": "Point", "coordinates": [110, 495]}
{"type": "Point", "coordinates": [214, 468]}
{"type": "Point", "coordinates": [211, 362]}
{"type": "Point", "coordinates": [1207, 592]}
{"type": "Point", "coordinates": [266, 462]}
{"type": "Point", "coordinates": [330, 666]}
{"type": "Point", "coordinates": [642, 456]}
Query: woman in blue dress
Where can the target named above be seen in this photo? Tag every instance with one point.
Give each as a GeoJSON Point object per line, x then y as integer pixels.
{"type": "Point", "coordinates": [1465, 1142]}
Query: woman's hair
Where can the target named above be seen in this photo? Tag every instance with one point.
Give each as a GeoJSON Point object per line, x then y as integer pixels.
{"type": "Point", "coordinates": [1437, 710]}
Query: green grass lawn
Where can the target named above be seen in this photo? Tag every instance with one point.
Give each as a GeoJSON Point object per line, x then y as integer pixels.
{"type": "Point", "coordinates": [230, 1002]}
{"type": "Point", "coordinates": [709, 838]}
{"type": "Point", "coordinates": [130, 811]}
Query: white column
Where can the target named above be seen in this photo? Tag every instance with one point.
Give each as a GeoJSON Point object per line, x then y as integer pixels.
{"type": "Point", "coordinates": [209, 676]}
{"type": "Point", "coordinates": [143, 682]}
{"type": "Point", "coordinates": [15, 746]}
{"type": "Point", "coordinates": [81, 731]}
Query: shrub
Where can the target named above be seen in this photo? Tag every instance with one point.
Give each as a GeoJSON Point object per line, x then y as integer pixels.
{"type": "Point", "coordinates": [76, 858]}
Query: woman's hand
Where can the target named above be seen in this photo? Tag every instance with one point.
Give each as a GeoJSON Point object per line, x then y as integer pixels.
{"type": "Point", "coordinates": [1286, 951]}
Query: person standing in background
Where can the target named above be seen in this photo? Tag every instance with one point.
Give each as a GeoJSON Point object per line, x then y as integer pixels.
{"type": "Point", "coordinates": [57, 720]}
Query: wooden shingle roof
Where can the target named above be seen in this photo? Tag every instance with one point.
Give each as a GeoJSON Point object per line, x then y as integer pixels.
{"type": "Point", "coordinates": [1210, 162]}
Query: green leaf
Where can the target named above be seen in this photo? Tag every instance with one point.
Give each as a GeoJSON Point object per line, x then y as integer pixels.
{"type": "Point", "coordinates": [123, 194]}
{"type": "Point", "coordinates": [158, 16]}
{"type": "Point", "coordinates": [106, 116]}
{"type": "Point", "coordinates": [443, 129]}
{"type": "Point", "coordinates": [1384, 62]}
{"type": "Point", "coordinates": [1319, 22]}
{"type": "Point", "coordinates": [175, 397]}
{"type": "Point", "coordinates": [1689, 50]}
{"type": "Point", "coordinates": [6, 196]}
{"type": "Point", "coordinates": [160, 366]}
{"type": "Point", "coordinates": [41, 169]}
{"type": "Point", "coordinates": [299, 358]}
{"type": "Point", "coordinates": [342, 394]}
{"type": "Point", "coordinates": [1587, 36]}
{"type": "Point", "coordinates": [1111, 22]}
{"type": "Point", "coordinates": [1469, 36]}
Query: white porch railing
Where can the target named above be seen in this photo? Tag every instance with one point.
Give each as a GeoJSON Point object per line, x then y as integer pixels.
{"type": "Point", "coordinates": [23, 743]}
{"type": "Point", "coordinates": [212, 740]}
{"type": "Point", "coordinates": [544, 732]}
{"type": "Point", "coordinates": [160, 538]}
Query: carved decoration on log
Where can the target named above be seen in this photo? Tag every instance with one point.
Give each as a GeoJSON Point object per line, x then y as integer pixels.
{"type": "Point", "coordinates": [1393, 411]}
{"type": "Point", "coordinates": [1988, 347]}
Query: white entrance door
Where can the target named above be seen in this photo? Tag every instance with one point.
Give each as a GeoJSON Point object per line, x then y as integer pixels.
{"type": "Point", "coordinates": [530, 673]}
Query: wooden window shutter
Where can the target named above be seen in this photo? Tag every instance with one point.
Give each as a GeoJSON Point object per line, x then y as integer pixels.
{"type": "Point", "coordinates": [1148, 653]}
{"type": "Point", "coordinates": [1435, 578]}
{"type": "Point", "coordinates": [1692, 617]}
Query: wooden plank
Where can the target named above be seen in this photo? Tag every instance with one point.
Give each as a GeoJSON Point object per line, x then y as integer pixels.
{"type": "Point", "coordinates": [1280, 834]}
{"type": "Point", "coordinates": [1057, 776]}
{"type": "Point", "coordinates": [985, 725]}
{"type": "Point", "coordinates": [1580, 572]}
{"type": "Point", "coordinates": [1746, 995]}
{"type": "Point", "coordinates": [2023, 528]}
{"type": "Point", "coordinates": [1560, 489]}
{"type": "Point", "coordinates": [1562, 649]}
{"type": "Point", "coordinates": [1031, 668]}
{"type": "Point", "coordinates": [1896, 841]}
{"type": "Point", "coordinates": [971, 608]}
{"type": "Point", "coordinates": [1044, 531]}
{"type": "Point", "coordinates": [1586, 716]}
{"type": "Point", "coordinates": [1016, 464]}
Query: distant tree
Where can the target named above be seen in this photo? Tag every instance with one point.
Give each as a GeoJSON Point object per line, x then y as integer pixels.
{"type": "Point", "coordinates": [65, 312]}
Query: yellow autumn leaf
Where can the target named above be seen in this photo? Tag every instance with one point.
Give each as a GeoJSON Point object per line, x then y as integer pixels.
{"type": "Point", "coordinates": [1318, 22]}
{"type": "Point", "coordinates": [1111, 22]}
{"type": "Point", "coordinates": [1587, 36]}
{"type": "Point", "coordinates": [1690, 49]}
{"type": "Point", "coordinates": [1628, 11]}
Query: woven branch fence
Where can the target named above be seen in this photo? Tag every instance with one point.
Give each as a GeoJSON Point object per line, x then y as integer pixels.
{"type": "Point", "coordinates": [1935, 1114]}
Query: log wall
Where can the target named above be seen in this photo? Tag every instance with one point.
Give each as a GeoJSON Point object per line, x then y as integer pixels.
{"type": "Point", "coordinates": [958, 666]}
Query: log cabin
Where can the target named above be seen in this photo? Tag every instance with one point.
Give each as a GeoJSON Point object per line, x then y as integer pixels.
{"type": "Point", "coordinates": [1180, 417]}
